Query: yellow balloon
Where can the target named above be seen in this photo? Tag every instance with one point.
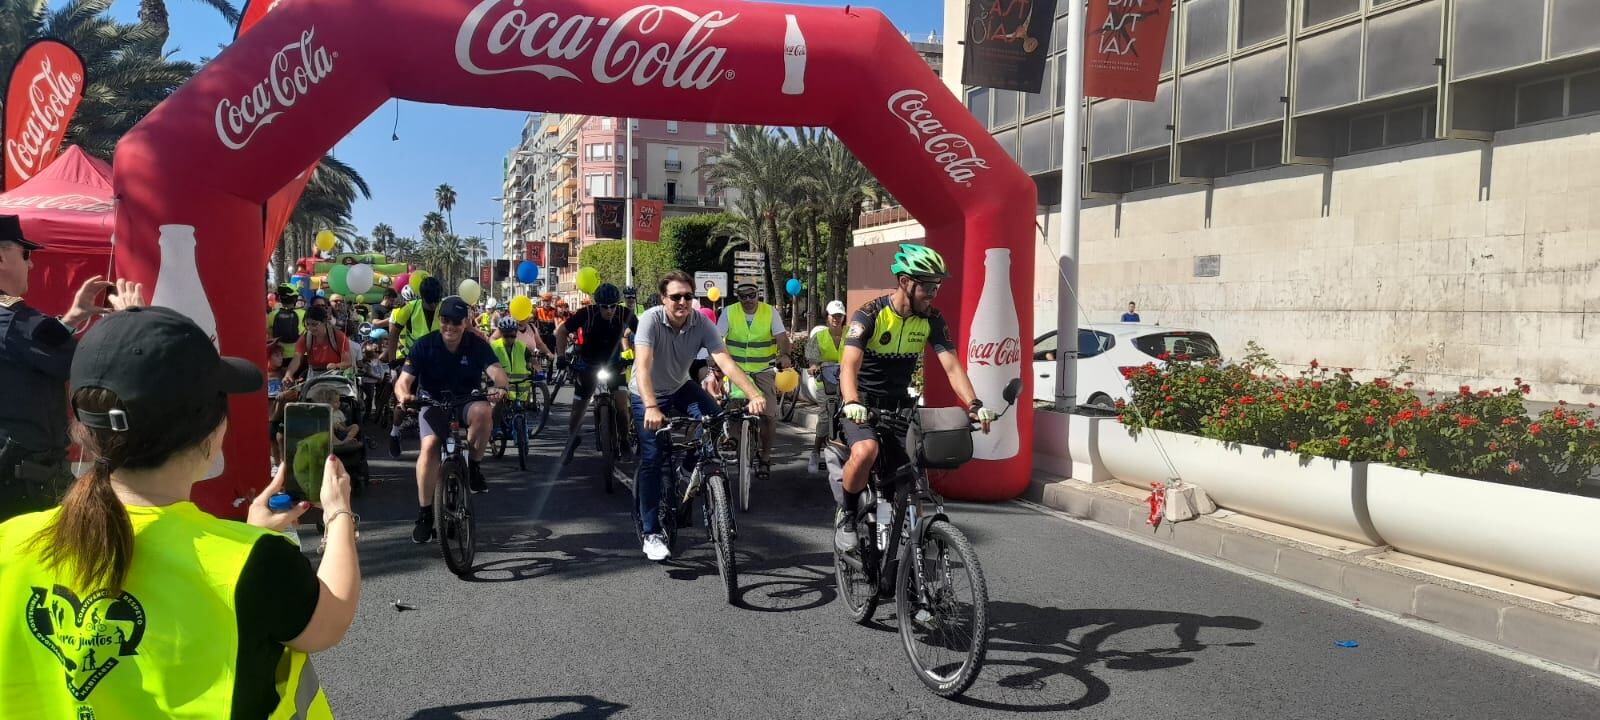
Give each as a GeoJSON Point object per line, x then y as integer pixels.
{"type": "Point", "coordinates": [521, 308]}
{"type": "Point", "coordinates": [326, 240]}
{"type": "Point", "coordinates": [588, 280]}
{"type": "Point", "coordinates": [714, 294]}
{"type": "Point", "coordinates": [416, 280]}
{"type": "Point", "coordinates": [787, 381]}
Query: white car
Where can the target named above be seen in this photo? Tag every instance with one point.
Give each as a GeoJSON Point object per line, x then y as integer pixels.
{"type": "Point", "coordinates": [1105, 348]}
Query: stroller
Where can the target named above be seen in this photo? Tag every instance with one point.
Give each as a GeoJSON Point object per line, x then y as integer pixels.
{"type": "Point", "coordinates": [340, 391]}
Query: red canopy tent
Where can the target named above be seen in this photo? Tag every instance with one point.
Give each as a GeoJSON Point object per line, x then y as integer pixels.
{"type": "Point", "coordinates": [67, 207]}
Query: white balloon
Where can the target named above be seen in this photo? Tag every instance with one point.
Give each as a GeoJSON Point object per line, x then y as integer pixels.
{"type": "Point", "coordinates": [470, 291]}
{"type": "Point", "coordinates": [359, 279]}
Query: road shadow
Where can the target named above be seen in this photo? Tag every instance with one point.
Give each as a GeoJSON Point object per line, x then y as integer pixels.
{"type": "Point", "coordinates": [537, 553]}
{"type": "Point", "coordinates": [1051, 659]}
{"type": "Point", "coordinates": [582, 707]}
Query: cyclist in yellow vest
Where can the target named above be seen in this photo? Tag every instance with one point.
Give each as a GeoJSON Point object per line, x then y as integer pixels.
{"type": "Point", "coordinates": [826, 345]}
{"type": "Point", "coordinates": [755, 336]}
{"type": "Point", "coordinates": [408, 324]}
{"type": "Point", "coordinates": [282, 330]}
{"type": "Point", "coordinates": [128, 602]}
{"type": "Point", "coordinates": [514, 354]}
{"type": "Point", "coordinates": [885, 343]}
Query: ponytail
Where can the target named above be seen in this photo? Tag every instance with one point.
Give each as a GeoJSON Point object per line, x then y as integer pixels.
{"type": "Point", "coordinates": [91, 536]}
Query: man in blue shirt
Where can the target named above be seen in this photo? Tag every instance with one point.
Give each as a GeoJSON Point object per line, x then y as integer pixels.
{"type": "Point", "coordinates": [450, 363]}
{"type": "Point", "coordinates": [1132, 315]}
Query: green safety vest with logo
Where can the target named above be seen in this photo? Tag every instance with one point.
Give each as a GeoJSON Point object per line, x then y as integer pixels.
{"type": "Point", "coordinates": [897, 337]}
{"type": "Point", "coordinates": [167, 645]}
{"type": "Point", "coordinates": [413, 322]}
{"type": "Point", "coordinates": [751, 344]}
{"type": "Point", "coordinates": [513, 357]}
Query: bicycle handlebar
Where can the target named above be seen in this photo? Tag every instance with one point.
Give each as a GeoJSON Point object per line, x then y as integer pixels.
{"type": "Point", "coordinates": [422, 401]}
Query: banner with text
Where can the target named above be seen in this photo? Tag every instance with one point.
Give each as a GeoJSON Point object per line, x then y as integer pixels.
{"type": "Point", "coordinates": [45, 87]}
{"type": "Point", "coordinates": [608, 222]}
{"type": "Point", "coordinates": [560, 254]}
{"type": "Point", "coordinates": [1007, 43]}
{"type": "Point", "coordinates": [533, 252]}
{"type": "Point", "coordinates": [279, 207]}
{"type": "Point", "coordinates": [1123, 50]}
{"type": "Point", "coordinates": [647, 220]}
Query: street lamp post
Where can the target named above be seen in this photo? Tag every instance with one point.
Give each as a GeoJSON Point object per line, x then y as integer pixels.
{"type": "Point", "coordinates": [545, 156]}
{"type": "Point", "coordinates": [493, 224]}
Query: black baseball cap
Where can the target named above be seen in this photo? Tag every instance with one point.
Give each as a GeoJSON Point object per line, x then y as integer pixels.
{"type": "Point", "coordinates": [11, 231]}
{"type": "Point", "coordinates": [160, 365]}
{"type": "Point", "coordinates": [454, 308]}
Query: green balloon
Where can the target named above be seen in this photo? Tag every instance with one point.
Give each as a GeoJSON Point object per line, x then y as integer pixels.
{"type": "Point", "coordinates": [588, 280]}
{"type": "Point", "coordinates": [336, 279]}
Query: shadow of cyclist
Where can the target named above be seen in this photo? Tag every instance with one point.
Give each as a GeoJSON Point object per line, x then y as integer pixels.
{"type": "Point", "coordinates": [578, 707]}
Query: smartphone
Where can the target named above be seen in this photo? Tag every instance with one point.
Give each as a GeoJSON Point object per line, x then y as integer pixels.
{"type": "Point", "coordinates": [307, 440]}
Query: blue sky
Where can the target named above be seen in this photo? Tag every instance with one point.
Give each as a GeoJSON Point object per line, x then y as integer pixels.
{"type": "Point", "coordinates": [403, 174]}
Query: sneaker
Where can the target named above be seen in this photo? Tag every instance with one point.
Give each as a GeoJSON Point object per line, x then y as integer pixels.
{"type": "Point", "coordinates": [844, 533]}
{"type": "Point", "coordinates": [422, 532]}
{"type": "Point", "coordinates": [394, 446]}
{"type": "Point", "coordinates": [655, 548]}
{"type": "Point", "coordinates": [475, 478]}
{"type": "Point", "coordinates": [815, 466]}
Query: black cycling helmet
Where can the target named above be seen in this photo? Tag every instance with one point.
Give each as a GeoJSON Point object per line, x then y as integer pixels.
{"type": "Point", "coordinates": [630, 292]}
{"type": "Point", "coordinates": [607, 294]}
{"type": "Point", "coordinates": [653, 300]}
{"type": "Point", "coordinates": [432, 291]}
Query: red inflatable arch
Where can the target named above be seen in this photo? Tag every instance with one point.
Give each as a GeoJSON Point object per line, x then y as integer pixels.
{"type": "Point", "coordinates": [201, 165]}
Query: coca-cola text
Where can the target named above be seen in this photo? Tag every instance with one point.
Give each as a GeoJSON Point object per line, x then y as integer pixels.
{"type": "Point", "coordinates": [684, 59]}
{"type": "Point", "coordinates": [82, 203]}
{"type": "Point", "coordinates": [50, 95]}
{"type": "Point", "coordinates": [293, 72]}
{"type": "Point", "coordinates": [952, 150]}
{"type": "Point", "coordinates": [998, 354]}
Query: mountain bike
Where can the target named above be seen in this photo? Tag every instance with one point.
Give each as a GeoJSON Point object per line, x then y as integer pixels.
{"type": "Point", "coordinates": [909, 549]}
{"type": "Point", "coordinates": [706, 482]}
{"type": "Point", "coordinates": [527, 404]}
{"type": "Point", "coordinates": [613, 432]}
{"type": "Point", "coordinates": [739, 438]}
{"type": "Point", "coordinates": [453, 519]}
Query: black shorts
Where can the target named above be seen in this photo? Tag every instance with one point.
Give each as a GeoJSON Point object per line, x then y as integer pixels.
{"type": "Point", "coordinates": [891, 450]}
{"type": "Point", "coordinates": [695, 368]}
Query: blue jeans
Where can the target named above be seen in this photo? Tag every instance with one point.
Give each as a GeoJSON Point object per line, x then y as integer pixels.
{"type": "Point", "coordinates": [688, 400]}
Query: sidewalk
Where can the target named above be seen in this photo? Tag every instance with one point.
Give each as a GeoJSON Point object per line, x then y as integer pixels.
{"type": "Point", "coordinates": [1549, 624]}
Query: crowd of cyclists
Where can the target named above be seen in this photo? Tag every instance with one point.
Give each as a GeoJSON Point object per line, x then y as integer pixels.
{"type": "Point", "coordinates": [680, 357]}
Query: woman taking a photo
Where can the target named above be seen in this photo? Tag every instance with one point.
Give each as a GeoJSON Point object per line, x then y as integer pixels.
{"type": "Point", "coordinates": [324, 347]}
{"type": "Point", "coordinates": [127, 601]}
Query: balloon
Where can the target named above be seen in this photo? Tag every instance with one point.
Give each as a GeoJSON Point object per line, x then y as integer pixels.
{"type": "Point", "coordinates": [793, 286]}
{"type": "Point", "coordinates": [714, 294]}
{"type": "Point", "coordinates": [527, 272]}
{"type": "Point", "coordinates": [588, 280]}
{"type": "Point", "coordinates": [416, 280]}
{"type": "Point", "coordinates": [326, 240]}
{"type": "Point", "coordinates": [359, 279]}
{"type": "Point", "coordinates": [402, 280]}
{"type": "Point", "coordinates": [787, 380]}
{"type": "Point", "coordinates": [378, 334]}
{"type": "Point", "coordinates": [521, 308]}
{"type": "Point", "coordinates": [336, 279]}
{"type": "Point", "coordinates": [470, 291]}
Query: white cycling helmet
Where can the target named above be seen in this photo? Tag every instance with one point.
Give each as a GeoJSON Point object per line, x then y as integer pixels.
{"type": "Point", "coordinates": [406, 294]}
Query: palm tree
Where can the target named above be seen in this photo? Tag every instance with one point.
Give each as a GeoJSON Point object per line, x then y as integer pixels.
{"type": "Point", "coordinates": [326, 205]}
{"type": "Point", "coordinates": [433, 225]}
{"type": "Point", "coordinates": [127, 74]}
{"type": "Point", "coordinates": [477, 248]}
{"type": "Point", "coordinates": [445, 196]}
{"type": "Point", "coordinates": [762, 163]}
{"type": "Point", "coordinates": [154, 14]}
{"type": "Point", "coordinates": [404, 249]}
{"type": "Point", "coordinates": [838, 185]}
{"type": "Point", "coordinates": [382, 237]}
{"type": "Point", "coordinates": [446, 256]}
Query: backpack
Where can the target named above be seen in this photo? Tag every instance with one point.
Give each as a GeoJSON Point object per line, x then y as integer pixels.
{"type": "Point", "coordinates": [286, 326]}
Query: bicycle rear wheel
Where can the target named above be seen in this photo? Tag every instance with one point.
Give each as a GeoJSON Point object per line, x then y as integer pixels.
{"type": "Point", "coordinates": [605, 430]}
{"type": "Point", "coordinates": [747, 461]}
{"type": "Point", "coordinates": [787, 403]}
{"type": "Point", "coordinates": [857, 589]}
{"type": "Point", "coordinates": [498, 444]}
{"type": "Point", "coordinates": [943, 607]}
{"type": "Point", "coordinates": [453, 520]}
{"type": "Point", "coordinates": [719, 524]}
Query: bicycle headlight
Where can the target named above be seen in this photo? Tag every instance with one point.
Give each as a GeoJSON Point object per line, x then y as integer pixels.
{"type": "Point", "coordinates": [603, 375]}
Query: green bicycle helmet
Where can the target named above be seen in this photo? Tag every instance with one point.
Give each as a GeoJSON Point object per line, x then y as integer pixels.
{"type": "Point", "coordinates": [918, 261]}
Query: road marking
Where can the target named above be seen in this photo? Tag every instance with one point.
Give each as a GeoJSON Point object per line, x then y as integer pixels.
{"type": "Point", "coordinates": [1327, 597]}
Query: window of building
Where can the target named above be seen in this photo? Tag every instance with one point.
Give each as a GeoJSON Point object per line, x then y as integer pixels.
{"type": "Point", "coordinates": [1005, 108]}
{"type": "Point", "coordinates": [1247, 155]}
{"type": "Point", "coordinates": [1401, 126]}
{"type": "Point", "coordinates": [636, 152]}
{"type": "Point", "coordinates": [1316, 12]}
{"type": "Point", "coordinates": [1034, 104]}
{"type": "Point", "coordinates": [588, 224]}
{"type": "Point", "coordinates": [1558, 98]}
{"type": "Point", "coordinates": [608, 123]}
{"type": "Point", "coordinates": [673, 161]}
{"type": "Point", "coordinates": [1206, 30]}
{"type": "Point", "coordinates": [597, 185]}
{"type": "Point", "coordinates": [672, 126]}
{"type": "Point", "coordinates": [1150, 172]}
{"type": "Point", "coordinates": [1260, 21]}
{"type": "Point", "coordinates": [633, 186]}
{"type": "Point", "coordinates": [978, 105]}
{"type": "Point", "coordinates": [711, 129]}
{"type": "Point", "coordinates": [633, 123]}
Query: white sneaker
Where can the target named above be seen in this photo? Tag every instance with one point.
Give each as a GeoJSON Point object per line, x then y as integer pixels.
{"type": "Point", "coordinates": [655, 548]}
{"type": "Point", "coordinates": [816, 464]}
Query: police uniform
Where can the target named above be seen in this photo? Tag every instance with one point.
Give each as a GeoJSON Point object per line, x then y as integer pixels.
{"type": "Point", "coordinates": [35, 359]}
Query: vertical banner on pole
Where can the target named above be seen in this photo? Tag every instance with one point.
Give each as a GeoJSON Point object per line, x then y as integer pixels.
{"type": "Point", "coordinates": [1124, 46]}
{"type": "Point", "coordinates": [1007, 43]}
{"type": "Point", "coordinates": [608, 222]}
{"type": "Point", "coordinates": [647, 220]}
{"type": "Point", "coordinates": [43, 93]}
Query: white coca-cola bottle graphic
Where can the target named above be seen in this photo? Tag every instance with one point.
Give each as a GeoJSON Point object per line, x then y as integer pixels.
{"type": "Point", "coordinates": [178, 287]}
{"type": "Point", "coordinates": [994, 354]}
{"type": "Point", "coordinates": [794, 58]}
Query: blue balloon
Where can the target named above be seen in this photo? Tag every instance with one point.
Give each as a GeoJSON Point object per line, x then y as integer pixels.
{"type": "Point", "coordinates": [527, 272]}
{"type": "Point", "coordinates": [793, 286]}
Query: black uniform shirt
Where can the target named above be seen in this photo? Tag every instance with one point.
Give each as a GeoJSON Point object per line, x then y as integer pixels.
{"type": "Point", "coordinates": [35, 359]}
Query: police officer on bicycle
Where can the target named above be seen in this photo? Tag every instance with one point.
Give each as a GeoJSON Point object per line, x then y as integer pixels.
{"type": "Point", "coordinates": [35, 357]}
{"type": "Point", "coordinates": [885, 340]}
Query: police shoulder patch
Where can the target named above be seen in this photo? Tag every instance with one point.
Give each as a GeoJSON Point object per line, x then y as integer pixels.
{"type": "Point", "coordinates": [857, 330]}
{"type": "Point", "coordinates": [7, 301]}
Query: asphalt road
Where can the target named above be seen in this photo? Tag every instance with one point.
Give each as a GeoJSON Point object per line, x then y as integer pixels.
{"type": "Point", "coordinates": [566, 619]}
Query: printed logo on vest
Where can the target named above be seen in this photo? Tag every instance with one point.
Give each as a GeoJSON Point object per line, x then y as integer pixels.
{"type": "Point", "coordinates": [87, 637]}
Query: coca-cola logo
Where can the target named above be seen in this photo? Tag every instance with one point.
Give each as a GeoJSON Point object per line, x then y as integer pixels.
{"type": "Point", "coordinates": [952, 150]}
{"type": "Point", "coordinates": [556, 44]}
{"type": "Point", "coordinates": [293, 72]}
{"type": "Point", "coordinates": [81, 203]}
{"type": "Point", "coordinates": [50, 96]}
{"type": "Point", "coordinates": [1007, 351]}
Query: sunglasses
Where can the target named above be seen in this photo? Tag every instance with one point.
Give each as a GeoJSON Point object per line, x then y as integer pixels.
{"type": "Point", "coordinates": [680, 297]}
{"type": "Point", "coordinates": [612, 306]}
{"type": "Point", "coordinates": [929, 288]}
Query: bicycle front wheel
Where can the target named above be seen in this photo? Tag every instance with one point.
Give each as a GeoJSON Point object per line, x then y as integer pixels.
{"type": "Point", "coordinates": [605, 430]}
{"type": "Point", "coordinates": [545, 397]}
{"type": "Point", "coordinates": [453, 520]}
{"type": "Point", "coordinates": [943, 608]}
{"type": "Point", "coordinates": [747, 461]}
{"type": "Point", "coordinates": [519, 428]}
{"type": "Point", "coordinates": [719, 522]}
